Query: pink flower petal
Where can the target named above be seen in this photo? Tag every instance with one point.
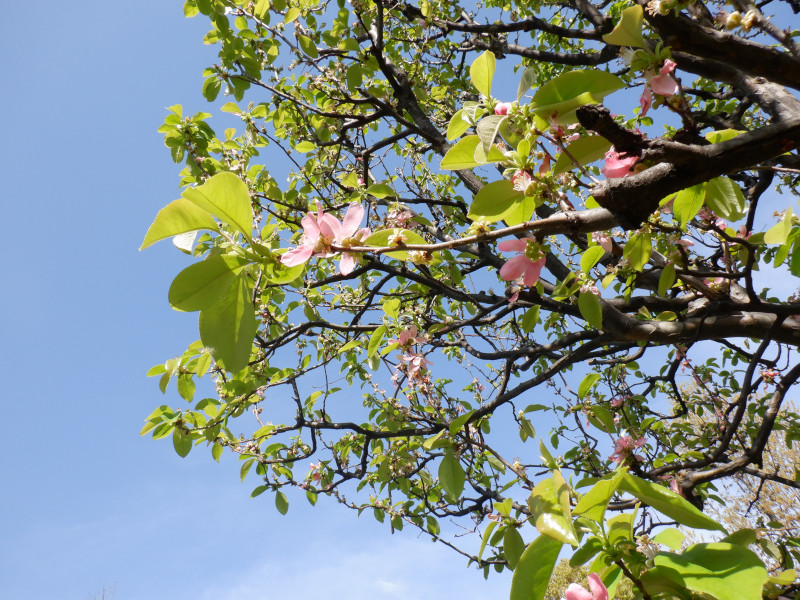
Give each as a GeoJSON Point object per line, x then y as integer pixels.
{"type": "Point", "coordinates": [347, 263]}
{"type": "Point", "coordinates": [532, 271]}
{"type": "Point", "coordinates": [576, 592]}
{"type": "Point", "coordinates": [646, 100]}
{"type": "Point", "coordinates": [599, 591]}
{"type": "Point", "coordinates": [502, 108]}
{"type": "Point", "coordinates": [297, 256]}
{"type": "Point", "coordinates": [513, 245]}
{"type": "Point", "coordinates": [352, 219]}
{"type": "Point", "coordinates": [514, 268]}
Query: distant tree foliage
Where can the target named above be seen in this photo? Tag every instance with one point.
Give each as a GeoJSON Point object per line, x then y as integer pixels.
{"type": "Point", "coordinates": [457, 264]}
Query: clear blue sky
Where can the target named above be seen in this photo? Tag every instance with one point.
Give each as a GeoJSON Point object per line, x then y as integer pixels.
{"type": "Point", "coordinates": [86, 502]}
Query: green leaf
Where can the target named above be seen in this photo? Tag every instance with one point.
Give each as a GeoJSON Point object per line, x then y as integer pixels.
{"type": "Point", "coordinates": [591, 309]}
{"type": "Point", "coordinates": [354, 77]}
{"type": "Point", "coordinates": [779, 233]}
{"type": "Point", "coordinates": [175, 218]}
{"type": "Point", "coordinates": [451, 475]}
{"type": "Point", "coordinates": [546, 511]}
{"type": "Point", "coordinates": [375, 340]}
{"type": "Point", "coordinates": [494, 201]}
{"type": "Point", "coordinates": [305, 146]}
{"type": "Point", "coordinates": [534, 569]}
{"type": "Point", "coordinates": [591, 257]}
{"type": "Point", "coordinates": [668, 503]}
{"type": "Point", "coordinates": [585, 150]}
{"type": "Point", "coordinates": [457, 126]}
{"type": "Point", "coordinates": [281, 502]}
{"type": "Point", "coordinates": [667, 279]}
{"type": "Point", "coordinates": [226, 197]}
{"type": "Point", "coordinates": [481, 71]}
{"type": "Point", "coordinates": [488, 129]}
{"type": "Point", "coordinates": [486, 535]}
{"type": "Point", "coordinates": [628, 31]}
{"type": "Point", "coordinates": [526, 81]}
{"type": "Point", "coordinates": [670, 537]}
{"type": "Point", "coordinates": [723, 135]}
{"type": "Point", "coordinates": [458, 423]}
{"type": "Point", "coordinates": [592, 504]}
{"type": "Point", "coordinates": [568, 91]}
{"type": "Point", "coordinates": [201, 284]}
{"type": "Point", "coordinates": [308, 46]}
{"type": "Point", "coordinates": [720, 570]}
{"type": "Point", "coordinates": [262, 6]}
{"type": "Point", "coordinates": [492, 155]}
{"type": "Point", "coordinates": [637, 250]}
{"type": "Point", "coordinates": [211, 87]}
{"type": "Point", "coordinates": [513, 546]}
{"type": "Point", "coordinates": [462, 155]}
{"type": "Point", "coordinates": [227, 328]}
{"type": "Point", "coordinates": [190, 9]}
{"type": "Point", "coordinates": [688, 203]}
{"type": "Point", "coordinates": [380, 190]}
{"type": "Point", "coordinates": [391, 306]}
{"type": "Point", "coordinates": [182, 442]}
{"type": "Point", "coordinates": [587, 383]}
{"type": "Point", "coordinates": [291, 15]}
{"type": "Point", "coordinates": [589, 549]}
{"type": "Point", "coordinates": [725, 197]}
{"type": "Point", "coordinates": [277, 273]}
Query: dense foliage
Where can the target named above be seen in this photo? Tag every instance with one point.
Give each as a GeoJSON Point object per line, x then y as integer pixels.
{"type": "Point", "coordinates": [439, 280]}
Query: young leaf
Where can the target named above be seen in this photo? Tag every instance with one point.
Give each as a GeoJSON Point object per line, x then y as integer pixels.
{"type": "Point", "coordinates": [593, 503]}
{"type": "Point", "coordinates": [462, 155]}
{"type": "Point", "coordinates": [375, 340]}
{"type": "Point", "coordinates": [779, 233]}
{"type": "Point", "coordinates": [591, 309]}
{"type": "Point", "coordinates": [226, 197]}
{"type": "Point", "coordinates": [587, 383]}
{"type": "Point", "coordinates": [725, 197]}
{"type": "Point", "coordinates": [488, 129]}
{"type": "Point", "coordinates": [628, 31]}
{"type": "Point", "coordinates": [526, 81]}
{"type": "Point", "coordinates": [481, 71]}
{"type": "Point", "coordinates": [534, 569]}
{"type": "Point", "coordinates": [688, 203]}
{"type": "Point", "coordinates": [667, 279]}
{"type": "Point", "coordinates": [493, 201]}
{"type": "Point", "coordinates": [638, 249]}
{"type": "Point", "coordinates": [179, 216]}
{"type": "Point", "coordinates": [591, 257]}
{"type": "Point", "coordinates": [566, 92]}
{"type": "Point", "coordinates": [584, 150]}
{"type": "Point", "coordinates": [457, 126]}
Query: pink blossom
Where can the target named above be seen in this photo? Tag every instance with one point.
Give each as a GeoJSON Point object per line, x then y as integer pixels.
{"type": "Point", "coordinates": [527, 265]}
{"type": "Point", "coordinates": [351, 234]}
{"type": "Point", "coordinates": [416, 365]}
{"type": "Point", "coordinates": [408, 337]}
{"type": "Point", "coordinates": [616, 165]}
{"type": "Point", "coordinates": [675, 486]}
{"type": "Point", "coordinates": [399, 218]}
{"type": "Point", "coordinates": [604, 240]}
{"type": "Point", "coordinates": [618, 401]}
{"type": "Point", "coordinates": [322, 230]}
{"type": "Point", "coordinates": [314, 473]}
{"type": "Point", "coordinates": [624, 448]}
{"type": "Point", "coordinates": [743, 232]}
{"type": "Point", "coordinates": [494, 517]}
{"type": "Point", "coordinates": [521, 180]}
{"type": "Point", "coordinates": [576, 592]}
{"type": "Point", "coordinates": [769, 375]}
{"type": "Point", "coordinates": [663, 83]}
{"type": "Point", "coordinates": [502, 108]}
{"type": "Point", "coordinates": [646, 100]}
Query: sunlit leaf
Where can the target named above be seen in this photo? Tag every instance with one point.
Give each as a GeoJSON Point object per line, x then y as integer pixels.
{"type": "Point", "coordinates": [462, 155]}
{"type": "Point", "coordinates": [204, 283]}
{"type": "Point", "coordinates": [628, 32]}
{"type": "Point", "coordinates": [481, 71]}
{"type": "Point", "coordinates": [179, 216]}
{"type": "Point", "coordinates": [226, 197]}
{"type": "Point", "coordinates": [534, 569]}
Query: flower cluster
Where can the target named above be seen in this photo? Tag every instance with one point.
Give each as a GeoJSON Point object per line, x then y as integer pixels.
{"type": "Point", "coordinates": [598, 590]}
{"type": "Point", "coordinates": [624, 449]}
{"type": "Point", "coordinates": [527, 265]}
{"type": "Point", "coordinates": [323, 230]}
{"type": "Point", "coordinates": [413, 363]}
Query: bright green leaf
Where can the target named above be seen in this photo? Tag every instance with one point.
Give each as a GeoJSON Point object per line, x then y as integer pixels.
{"type": "Point", "coordinates": [175, 218]}
{"type": "Point", "coordinates": [668, 503]}
{"type": "Point", "coordinates": [568, 91]}
{"type": "Point", "coordinates": [462, 155]}
{"type": "Point", "coordinates": [487, 129]}
{"type": "Point", "coordinates": [587, 383]}
{"type": "Point", "coordinates": [526, 81]}
{"type": "Point", "coordinates": [451, 475]}
{"type": "Point", "coordinates": [725, 197]}
{"type": "Point", "coordinates": [182, 442]}
{"type": "Point", "coordinates": [584, 150]}
{"type": "Point", "coordinates": [201, 284]}
{"type": "Point", "coordinates": [591, 309]}
{"type": "Point", "coordinates": [457, 126]}
{"type": "Point", "coordinates": [591, 257]}
{"type": "Point", "coordinates": [481, 71]}
{"type": "Point", "coordinates": [281, 502]}
{"type": "Point", "coordinates": [226, 197]}
{"type": "Point", "coordinates": [534, 569]}
{"type": "Point", "coordinates": [688, 203]}
{"type": "Point", "coordinates": [513, 546]}
{"type": "Point", "coordinates": [494, 200]}
{"type": "Point", "coordinates": [227, 328]}
{"type": "Point", "coordinates": [628, 31]}
{"type": "Point", "coordinates": [638, 249]}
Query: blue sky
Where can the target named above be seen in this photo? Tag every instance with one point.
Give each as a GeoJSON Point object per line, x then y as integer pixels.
{"type": "Point", "coordinates": [86, 502]}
